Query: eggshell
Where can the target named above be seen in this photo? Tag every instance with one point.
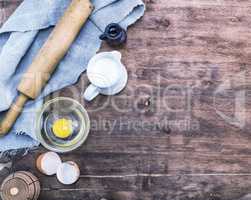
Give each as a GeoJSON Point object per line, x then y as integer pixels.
{"type": "Point", "coordinates": [68, 173]}
{"type": "Point", "coordinates": [48, 163]}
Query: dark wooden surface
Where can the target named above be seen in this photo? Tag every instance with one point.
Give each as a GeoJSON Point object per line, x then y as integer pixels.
{"type": "Point", "coordinates": [189, 67]}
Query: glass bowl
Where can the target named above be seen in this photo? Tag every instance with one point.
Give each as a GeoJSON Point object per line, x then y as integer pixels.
{"type": "Point", "coordinates": [56, 110]}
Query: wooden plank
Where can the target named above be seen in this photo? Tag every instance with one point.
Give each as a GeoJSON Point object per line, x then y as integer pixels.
{"type": "Point", "coordinates": [179, 57]}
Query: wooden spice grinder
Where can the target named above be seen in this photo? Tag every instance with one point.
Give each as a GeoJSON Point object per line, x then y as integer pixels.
{"type": "Point", "coordinates": [44, 64]}
{"type": "Point", "coordinates": [20, 186]}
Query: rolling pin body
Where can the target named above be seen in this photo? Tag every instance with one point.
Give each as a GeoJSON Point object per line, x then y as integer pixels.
{"type": "Point", "coordinates": [46, 61]}
{"type": "Point", "coordinates": [55, 48]}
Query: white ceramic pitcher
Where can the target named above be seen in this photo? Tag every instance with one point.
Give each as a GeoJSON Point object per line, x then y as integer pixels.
{"type": "Point", "coordinates": [108, 76]}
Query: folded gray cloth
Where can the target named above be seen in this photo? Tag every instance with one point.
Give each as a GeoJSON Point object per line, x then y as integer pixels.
{"type": "Point", "coordinates": [22, 36]}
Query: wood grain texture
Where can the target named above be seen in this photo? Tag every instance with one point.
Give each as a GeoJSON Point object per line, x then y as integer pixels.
{"type": "Point", "coordinates": [181, 128]}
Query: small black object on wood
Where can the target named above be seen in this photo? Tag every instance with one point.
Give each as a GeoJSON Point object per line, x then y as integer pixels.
{"type": "Point", "coordinates": [114, 35]}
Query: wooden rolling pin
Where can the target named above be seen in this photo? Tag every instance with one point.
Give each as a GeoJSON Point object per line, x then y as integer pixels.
{"type": "Point", "coordinates": [44, 64]}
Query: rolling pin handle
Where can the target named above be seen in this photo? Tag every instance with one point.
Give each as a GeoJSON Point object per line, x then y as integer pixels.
{"type": "Point", "coordinates": [12, 114]}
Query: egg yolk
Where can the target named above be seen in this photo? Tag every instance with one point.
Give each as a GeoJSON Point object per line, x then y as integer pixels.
{"type": "Point", "coordinates": [62, 128]}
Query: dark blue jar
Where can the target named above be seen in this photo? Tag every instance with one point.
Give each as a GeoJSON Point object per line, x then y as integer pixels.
{"type": "Point", "coordinates": [114, 35]}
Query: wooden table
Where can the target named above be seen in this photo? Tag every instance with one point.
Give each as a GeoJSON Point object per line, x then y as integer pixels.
{"type": "Point", "coordinates": [181, 129]}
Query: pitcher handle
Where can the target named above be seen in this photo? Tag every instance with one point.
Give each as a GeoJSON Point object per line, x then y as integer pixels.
{"type": "Point", "coordinates": [91, 92]}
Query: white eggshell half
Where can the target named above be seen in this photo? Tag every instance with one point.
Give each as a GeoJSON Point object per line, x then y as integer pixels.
{"type": "Point", "coordinates": [68, 173]}
{"type": "Point", "coordinates": [50, 163]}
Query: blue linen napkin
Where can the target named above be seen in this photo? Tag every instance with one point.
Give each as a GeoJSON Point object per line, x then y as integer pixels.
{"type": "Point", "coordinates": [22, 36]}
